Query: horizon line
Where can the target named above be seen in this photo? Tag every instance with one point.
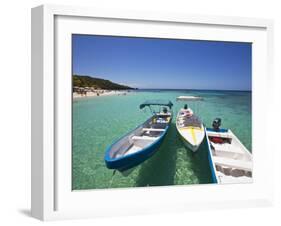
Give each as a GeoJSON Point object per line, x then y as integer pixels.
{"type": "Point", "coordinates": [194, 89]}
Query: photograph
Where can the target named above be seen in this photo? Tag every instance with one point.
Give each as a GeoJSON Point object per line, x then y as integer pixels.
{"type": "Point", "coordinates": [150, 111]}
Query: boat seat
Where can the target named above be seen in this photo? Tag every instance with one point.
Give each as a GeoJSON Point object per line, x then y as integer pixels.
{"type": "Point", "coordinates": [152, 129]}
{"type": "Point", "coordinates": [143, 138]}
{"type": "Point", "coordinates": [228, 148]}
{"type": "Point", "coordinates": [232, 163]}
{"type": "Point", "coordinates": [221, 135]}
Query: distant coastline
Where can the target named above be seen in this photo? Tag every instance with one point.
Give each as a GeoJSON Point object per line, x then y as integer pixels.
{"type": "Point", "coordinates": [86, 81]}
{"type": "Point", "coordinates": [87, 86]}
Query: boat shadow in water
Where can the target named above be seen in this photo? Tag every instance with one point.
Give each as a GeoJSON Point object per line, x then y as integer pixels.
{"type": "Point", "coordinates": [200, 163]}
{"type": "Point", "coordinates": [160, 169]}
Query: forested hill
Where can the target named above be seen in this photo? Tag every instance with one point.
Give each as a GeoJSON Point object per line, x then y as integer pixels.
{"type": "Point", "coordinates": [97, 83]}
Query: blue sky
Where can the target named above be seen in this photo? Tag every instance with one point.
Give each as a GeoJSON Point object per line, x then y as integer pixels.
{"type": "Point", "coordinates": [164, 63]}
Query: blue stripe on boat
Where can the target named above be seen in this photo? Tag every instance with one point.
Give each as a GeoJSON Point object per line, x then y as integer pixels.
{"type": "Point", "coordinates": [220, 130]}
{"type": "Point", "coordinates": [214, 178]}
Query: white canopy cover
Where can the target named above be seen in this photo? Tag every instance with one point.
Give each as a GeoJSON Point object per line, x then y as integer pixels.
{"type": "Point", "coordinates": [189, 98]}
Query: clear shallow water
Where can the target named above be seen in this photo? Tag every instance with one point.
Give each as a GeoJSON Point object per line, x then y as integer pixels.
{"type": "Point", "coordinates": [97, 122]}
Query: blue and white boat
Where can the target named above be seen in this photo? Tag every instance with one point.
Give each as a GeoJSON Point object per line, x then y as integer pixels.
{"type": "Point", "coordinates": [230, 161]}
{"type": "Point", "coordinates": [141, 143]}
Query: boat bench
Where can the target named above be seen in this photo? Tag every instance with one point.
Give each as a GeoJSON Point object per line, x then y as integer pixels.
{"type": "Point", "coordinates": [226, 148]}
{"type": "Point", "coordinates": [152, 129]}
{"type": "Point", "coordinates": [143, 138]}
{"type": "Point", "coordinates": [221, 135]}
{"type": "Point", "coordinates": [232, 163]}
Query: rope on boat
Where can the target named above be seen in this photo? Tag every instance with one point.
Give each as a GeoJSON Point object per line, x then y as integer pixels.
{"type": "Point", "coordinates": [111, 180]}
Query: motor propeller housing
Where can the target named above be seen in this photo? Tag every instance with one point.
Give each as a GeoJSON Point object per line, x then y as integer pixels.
{"type": "Point", "coordinates": [216, 124]}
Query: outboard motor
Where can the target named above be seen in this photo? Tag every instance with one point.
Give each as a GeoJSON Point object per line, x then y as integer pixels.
{"type": "Point", "coordinates": [165, 110]}
{"type": "Point", "coordinates": [185, 106]}
{"type": "Point", "coordinates": [216, 124]}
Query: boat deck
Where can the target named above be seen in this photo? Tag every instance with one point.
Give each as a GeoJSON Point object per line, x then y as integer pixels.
{"type": "Point", "coordinates": [233, 163]}
{"type": "Point", "coordinates": [133, 149]}
{"type": "Point", "coordinates": [193, 121]}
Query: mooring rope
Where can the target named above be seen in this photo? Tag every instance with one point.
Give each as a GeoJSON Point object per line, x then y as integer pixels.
{"type": "Point", "coordinates": [111, 180]}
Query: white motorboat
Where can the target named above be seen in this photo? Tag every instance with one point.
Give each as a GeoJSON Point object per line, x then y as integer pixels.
{"type": "Point", "coordinates": [189, 126]}
{"type": "Point", "coordinates": [230, 161]}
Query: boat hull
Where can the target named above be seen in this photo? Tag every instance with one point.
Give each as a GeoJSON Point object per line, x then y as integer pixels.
{"type": "Point", "coordinates": [188, 145]}
{"type": "Point", "coordinates": [128, 161]}
{"type": "Point", "coordinates": [211, 163]}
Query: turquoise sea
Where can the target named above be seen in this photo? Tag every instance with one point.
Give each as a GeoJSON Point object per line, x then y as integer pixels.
{"type": "Point", "coordinates": [98, 121]}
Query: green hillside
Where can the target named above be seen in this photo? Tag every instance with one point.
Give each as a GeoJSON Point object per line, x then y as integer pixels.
{"type": "Point", "coordinates": [98, 83]}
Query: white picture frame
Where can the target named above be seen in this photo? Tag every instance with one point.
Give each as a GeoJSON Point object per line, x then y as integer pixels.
{"type": "Point", "coordinates": [52, 197]}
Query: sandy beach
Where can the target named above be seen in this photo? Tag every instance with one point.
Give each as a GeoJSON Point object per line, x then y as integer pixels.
{"type": "Point", "coordinates": [98, 93]}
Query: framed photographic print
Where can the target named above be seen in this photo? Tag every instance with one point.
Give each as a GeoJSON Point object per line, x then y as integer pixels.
{"type": "Point", "coordinates": [141, 112]}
